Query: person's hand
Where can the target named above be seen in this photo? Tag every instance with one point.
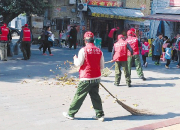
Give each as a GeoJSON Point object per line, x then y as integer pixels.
{"type": "Point", "coordinates": [111, 61]}
{"type": "Point", "coordinates": [75, 57]}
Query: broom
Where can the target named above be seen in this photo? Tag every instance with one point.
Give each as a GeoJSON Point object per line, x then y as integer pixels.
{"type": "Point", "coordinates": [128, 108]}
{"type": "Point", "coordinates": [107, 71]}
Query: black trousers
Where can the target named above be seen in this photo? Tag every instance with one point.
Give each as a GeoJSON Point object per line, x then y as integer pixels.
{"type": "Point", "coordinates": [144, 59]}
{"type": "Point", "coordinates": [157, 58]}
{"type": "Point", "coordinates": [47, 44]}
{"type": "Point", "coordinates": [110, 44]}
{"type": "Point", "coordinates": [72, 42]}
{"type": "Point", "coordinates": [168, 62]}
{"type": "Point", "coordinates": [175, 55]}
{"type": "Point", "coordinates": [25, 47]}
{"type": "Point", "coordinates": [179, 57]}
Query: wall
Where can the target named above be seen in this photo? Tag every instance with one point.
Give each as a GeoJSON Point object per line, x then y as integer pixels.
{"type": "Point", "coordinates": [144, 4]}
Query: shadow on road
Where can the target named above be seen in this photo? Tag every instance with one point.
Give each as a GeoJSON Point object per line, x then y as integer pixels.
{"type": "Point", "coordinates": [154, 85]}
{"type": "Point", "coordinates": [140, 118]}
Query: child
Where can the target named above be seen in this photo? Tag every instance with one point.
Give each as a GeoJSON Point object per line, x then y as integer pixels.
{"type": "Point", "coordinates": [168, 56]}
{"type": "Point", "coordinates": [144, 52]}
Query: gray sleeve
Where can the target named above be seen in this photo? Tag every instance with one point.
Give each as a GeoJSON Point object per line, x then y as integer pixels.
{"type": "Point", "coordinates": [112, 54]}
{"type": "Point", "coordinates": [21, 35]}
{"type": "Point", "coordinates": [129, 48]}
{"type": "Point", "coordinates": [177, 41]}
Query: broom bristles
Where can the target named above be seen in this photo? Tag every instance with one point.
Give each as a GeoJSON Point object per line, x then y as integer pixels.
{"type": "Point", "coordinates": [134, 111]}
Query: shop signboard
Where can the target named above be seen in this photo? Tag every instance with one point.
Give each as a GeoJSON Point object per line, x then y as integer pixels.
{"type": "Point", "coordinates": [174, 2]}
{"type": "Point", "coordinates": [104, 3]}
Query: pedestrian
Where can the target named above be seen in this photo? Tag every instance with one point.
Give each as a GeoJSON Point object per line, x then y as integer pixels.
{"type": "Point", "coordinates": [42, 38]}
{"type": "Point", "coordinates": [178, 48]}
{"type": "Point", "coordinates": [73, 37]}
{"type": "Point", "coordinates": [175, 49]}
{"type": "Point", "coordinates": [47, 42]}
{"type": "Point", "coordinates": [168, 56]}
{"type": "Point", "coordinates": [157, 49]}
{"type": "Point", "coordinates": [64, 38]}
{"type": "Point", "coordinates": [135, 44]}
{"type": "Point", "coordinates": [26, 38]}
{"type": "Point", "coordinates": [111, 38]}
{"type": "Point", "coordinates": [5, 38]}
{"type": "Point", "coordinates": [145, 51]}
{"type": "Point", "coordinates": [119, 55]}
{"type": "Point", "coordinates": [91, 62]}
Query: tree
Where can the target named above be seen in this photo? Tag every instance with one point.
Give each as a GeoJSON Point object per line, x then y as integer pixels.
{"type": "Point", "coordinates": [10, 9]}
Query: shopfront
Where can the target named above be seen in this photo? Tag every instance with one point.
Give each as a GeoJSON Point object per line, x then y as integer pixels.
{"type": "Point", "coordinates": [101, 19]}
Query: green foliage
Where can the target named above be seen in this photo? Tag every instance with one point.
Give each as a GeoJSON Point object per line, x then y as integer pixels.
{"type": "Point", "coordinates": [12, 8]}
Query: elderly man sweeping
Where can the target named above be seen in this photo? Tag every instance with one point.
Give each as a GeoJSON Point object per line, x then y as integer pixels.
{"type": "Point", "coordinates": [91, 62]}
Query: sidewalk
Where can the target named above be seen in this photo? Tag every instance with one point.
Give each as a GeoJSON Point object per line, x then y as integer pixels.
{"type": "Point", "coordinates": [170, 124]}
{"type": "Point", "coordinates": [31, 99]}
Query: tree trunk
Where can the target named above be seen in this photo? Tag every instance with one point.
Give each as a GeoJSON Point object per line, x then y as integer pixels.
{"type": "Point", "coordinates": [8, 17]}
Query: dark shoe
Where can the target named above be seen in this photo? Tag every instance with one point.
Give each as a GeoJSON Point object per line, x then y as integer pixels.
{"type": "Point", "coordinates": [129, 85]}
{"type": "Point", "coordinates": [116, 84]}
{"type": "Point", "coordinates": [143, 78]}
{"type": "Point", "coordinates": [40, 49]}
{"type": "Point", "coordinates": [23, 59]}
{"type": "Point", "coordinates": [4, 60]}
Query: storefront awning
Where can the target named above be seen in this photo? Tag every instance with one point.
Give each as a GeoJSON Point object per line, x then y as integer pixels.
{"type": "Point", "coordinates": [164, 17]}
{"type": "Point", "coordinates": [168, 10]}
{"type": "Point", "coordinates": [116, 12]}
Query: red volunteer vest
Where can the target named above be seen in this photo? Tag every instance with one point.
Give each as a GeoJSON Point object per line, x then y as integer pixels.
{"type": "Point", "coordinates": [133, 41]}
{"type": "Point", "coordinates": [26, 34]}
{"type": "Point", "coordinates": [179, 46]}
{"type": "Point", "coordinates": [120, 49]}
{"type": "Point", "coordinates": [91, 66]}
{"type": "Point", "coordinates": [111, 33]}
{"type": "Point", "coordinates": [4, 35]}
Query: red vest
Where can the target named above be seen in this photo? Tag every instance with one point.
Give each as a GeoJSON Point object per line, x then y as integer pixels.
{"type": "Point", "coordinates": [26, 34]}
{"type": "Point", "coordinates": [4, 35]}
{"type": "Point", "coordinates": [133, 41]}
{"type": "Point", "coordinates": [111, 33]}
{"type": "Point", "coordinates": [120, 49]}
{"type": "Point", "coordinates": [179, 46]}
{"type": "Point", "coordinates": [91, 66]}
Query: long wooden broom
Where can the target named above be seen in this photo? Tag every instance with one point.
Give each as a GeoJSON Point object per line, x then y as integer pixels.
{"type": "Point", "coordinates": [128, 108]}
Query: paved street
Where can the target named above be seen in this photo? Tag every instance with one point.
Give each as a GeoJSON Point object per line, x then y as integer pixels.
{"type": "Point", "coordinates": [31, 99]}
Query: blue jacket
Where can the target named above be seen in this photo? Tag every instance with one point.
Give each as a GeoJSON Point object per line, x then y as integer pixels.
{"type": "Point", "coordinates": [168, 53]}
{"type": "Point", "coordinates": [157, 47]}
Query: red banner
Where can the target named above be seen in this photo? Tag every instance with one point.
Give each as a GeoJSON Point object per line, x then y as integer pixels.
{"type": "Point", "coordinates": [104, 3]}
{"type": "Point", "coordinates": [174, 2]}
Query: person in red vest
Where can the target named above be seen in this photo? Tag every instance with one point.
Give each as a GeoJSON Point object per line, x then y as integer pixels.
{"type": "Point", "coordinates": [112, 38]}
{"type": "Point", "coordinates": [134, 31]}
{"type": "Point", "coordinates": [26, 38]}
{"type": "Point", "coordinates": [5, 37]}
{"type": "Point", "coordinates": [119, 55]}
{"type": "Point", "coordinates": [135, 44]}
{"type": "Point", "coordinates": [91, 62]}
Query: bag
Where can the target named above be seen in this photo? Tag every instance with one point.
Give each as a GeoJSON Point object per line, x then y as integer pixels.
{"type": "Point", "coordinates": [146, 54]}
{"type": "Point", "coordinates": [51, 38]}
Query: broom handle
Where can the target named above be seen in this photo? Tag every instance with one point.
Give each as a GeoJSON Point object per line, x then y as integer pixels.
{"type": "Point", "coordinates": [107, 90]}
{"type": "Point", "coordinates": [112, 66]}
{"type": "Point", "coordinates": [107, 62]}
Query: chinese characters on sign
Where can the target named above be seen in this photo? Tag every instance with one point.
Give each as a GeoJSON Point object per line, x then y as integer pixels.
{"type": "Point", "coordinates": [104, 3]}
{"type": "Point", "coordinates": [174, 2]}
